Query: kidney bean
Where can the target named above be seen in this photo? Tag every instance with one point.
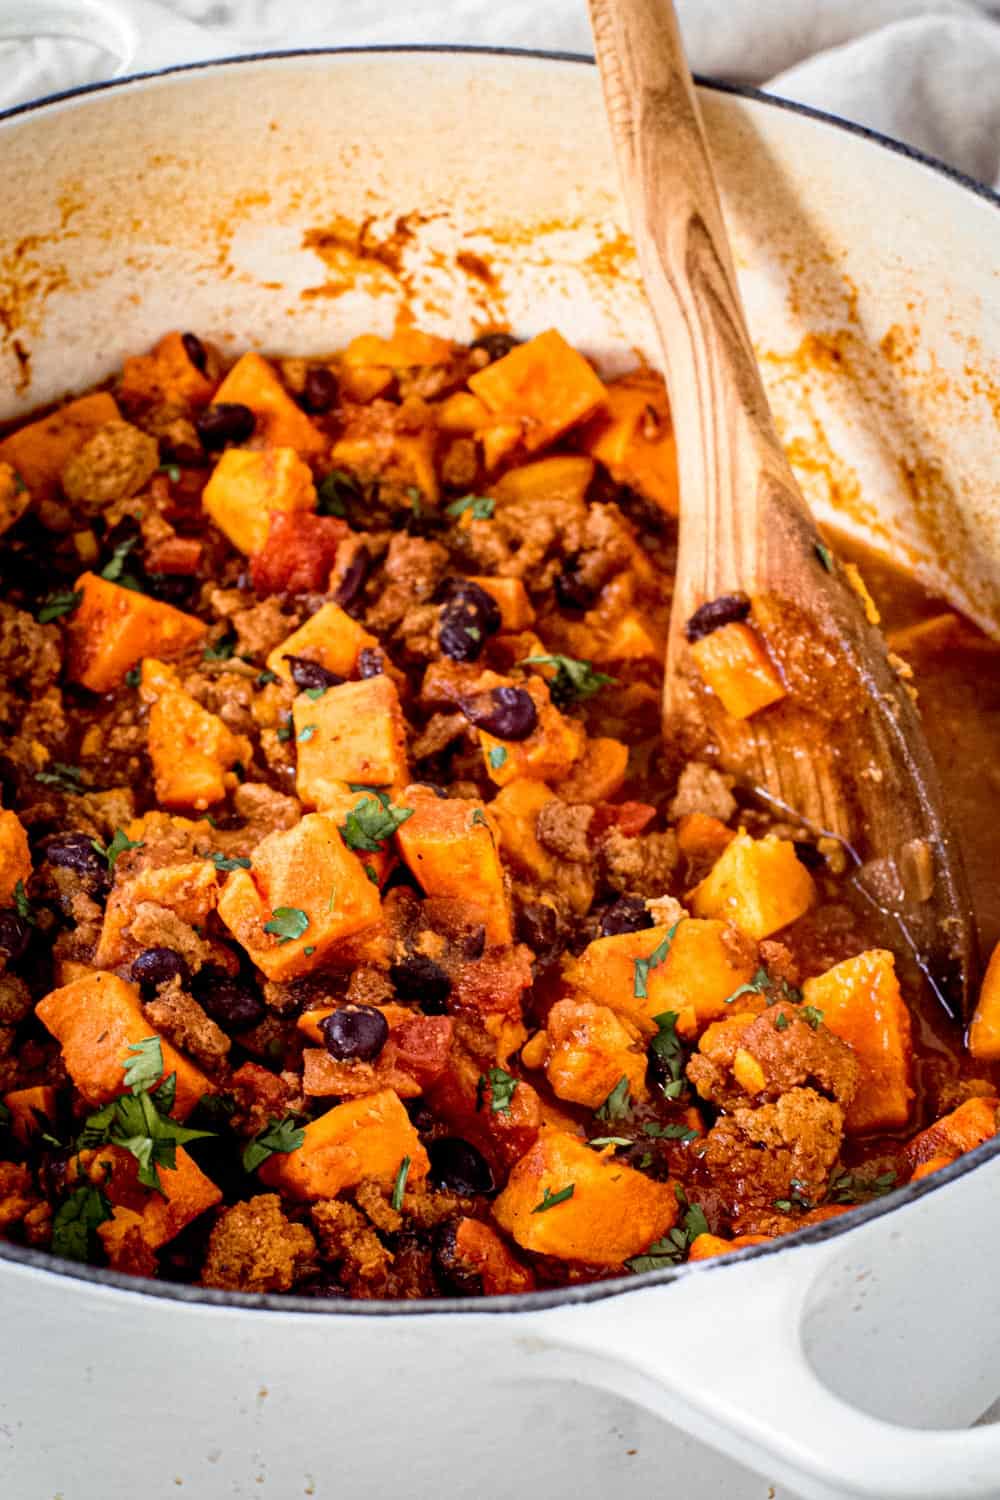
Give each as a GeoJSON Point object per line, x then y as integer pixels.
{"type": "Point", "coordinates": [458, 1167]}
{"type": "Point", "coordinates": [230, 1001]}
{"type": "Point", "coordinates": [195, 351]}
{"type": "Point", "coordinates": [715, 612]}
{"type": "Point", "coordinates": [156, 966]}
{"type": "Point", "coordinates": [320, 390]}
{"type": "Point", "coordinates": [371, 662]}
{"type": "Point", "coordinates": [507, 712]}
{"type": "Point", "coordinates": [225, 422]}
{"type": "Point", "coordinates": [355, 1033]}
{"type": "Point", "coordinates": [354, 578]}
{"type": "Point", "coordinates": [311, 674]}
{"type": "Point", "coordinates": [15, 935]}
{"type": "Point", "coordinates": [496, 345]}
{"type": "Point", "coordinates": [570, 589]}
{"type": "Point", "coordinates": [627, 914]}
{"type": "Point", "coordinates": [417, 977]}
{"type": "Point", "coordinates": [468, 616]}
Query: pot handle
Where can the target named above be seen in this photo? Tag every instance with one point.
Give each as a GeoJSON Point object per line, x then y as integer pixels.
{"type": "Point", "coordinates": [143, 35]}
{"type": "Point", "coordinates": [720, 1353]}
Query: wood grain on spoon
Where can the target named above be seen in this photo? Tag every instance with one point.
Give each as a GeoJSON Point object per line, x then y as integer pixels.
{"type": "Point", "coordinates": [844, 749]}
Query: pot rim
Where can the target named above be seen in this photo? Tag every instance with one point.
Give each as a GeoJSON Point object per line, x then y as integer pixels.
{"type": "Point", "coordinates": [595, 1291]}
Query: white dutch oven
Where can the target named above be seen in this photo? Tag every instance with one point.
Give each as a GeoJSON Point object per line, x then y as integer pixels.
{"type": "Point", "coordinates": [291, 202]}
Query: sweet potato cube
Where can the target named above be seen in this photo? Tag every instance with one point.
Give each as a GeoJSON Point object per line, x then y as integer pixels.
{"type": "Point", "coordinates": [304, 892]}
{"type": "Point", "coordinates": [450, 846]}
{"type": "Point", "coordinates": [39, 452]}
{"type": "Point", "coordinates": [965, 1128]}
{"type": "Point", "coordinates": [861, 1003]}
{"type": "Point", "coordinates": [412, 1059]}
{"type": "Point", "coordinates": [692, 973]}
{"type": "Point", "coordinates": [516, 612]}
{"type": "Point", "coordinates": [95, 1020]}
{"type": "Point", "coordinates": [329, 637]}
{"type": "Point", "coordinates": [609, 1214]}
{"type": "Point", "coordinates": [248, 484]}
{"type": "Point", "coordinates": [732, 661]}
{"type": "Point", "coordinates": [26, 1105]}
{"type": "Point", "coordinates": [598, 774]}
{"type": "Point", "coordinates": [188, 888]}
{"type": "Point", "coordinates": [355, 733]}
{"type": "Point", "coordinates": [367, 1137]}
{"type": "Point", "coordinates": [548, 754]}
{"type": "Point", "coordinates": [479, 1251]}
{"type": "Point", "coordinates": [708, 1246]}
{"type": "Point", "coordinates": [933, 1164]}
{"type": "Point", "coordinates": [462, 412]}
{"type": "Point", "coordinates": [634, 438]}
{"type": "Point", "coordinates": [546, 383]}
{"type": "Point", "coordinates": [187, 1192]}
{"type": "Point", "coordinates": [338, 802]}
{"type": "Point", "coordinates": [757, 884]}
{"type": "Point", "coordinates": [701, 837]}
{"type": "Point", "coordinates": [984, 1033]}
{"type": "Point", "coordinates": [515, 810]}
{"type": "Point", "coordinates": [191, 749]}
{"type": "Point", "coordinates": [565, 477]}
{"type": "Point", "coordinates": [15, 856]}
{"type": "Point", "coordinates": [165, 376]}
{"type": "Point", "coordinates": [114, 628]}
{"type": "Point", "coordinates": [590, 1051]}
{"type": "Point", "coordinates": [280, 423]}
{"type": "Point", "coordinates": [407, 349]}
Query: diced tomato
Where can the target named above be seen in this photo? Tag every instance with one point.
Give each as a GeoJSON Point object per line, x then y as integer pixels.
{"type": "Point", "coordinates": [494, 984]}
{"type": "Point", "coordinates": [630, 818]}
{"type": "Point", "coordinates": [421, 1047]}
{"type": "Point", "coordinates": [299, 552]}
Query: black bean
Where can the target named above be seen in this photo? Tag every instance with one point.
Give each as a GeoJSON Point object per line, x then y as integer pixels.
{"type": "Point", "coordinates": [156, 966]}
{"type": "Point", "coordinates": [455, 1273]}
{"type": "Point", "coordinates": [458, 1167]}
{"type": "Point", "coordinates": [808, 855]}
{"type": "Point", "coordinates": [76, 852]}
{"type": "Point", "coordinates": [177, 589]}
{"type": "Point", "coordinates": [232, 1002]}
{"type": "Point", "coordinates": [468, 616]}
{"type": "Point", "coordinates": [127, 529]}
{"type": "Point", "coordinates": [417, 977]}
{"type": "Point", "coordinates": [354, 578]}
{"type": "Point", "coordinates": [627, 914]}
{"type": "Point", "coordinates": [15, 935]}
{"type": "Point", "coordinates": [538, 926]}
{"type": "Point", "coordinates": [225, 422]}
{"type": "Point", "coordinates": [371, 662]}
{"type": "Point", "coordinates": [311, 674]}
{"type": "Point", "coordinates": [496, 345]}
{"type": "Point", "coordinates": [195, 350]}
{"type": "Point", "coordinates": [571, 591]}
{"type": "Point", "coordinates": [355, 1033]}
{"type": "Point", "coordinates": [320, 390]}
{"type": "Point", "coordinates": [715, 612]}
{"type": "Point", "coordinates": [507, 712]}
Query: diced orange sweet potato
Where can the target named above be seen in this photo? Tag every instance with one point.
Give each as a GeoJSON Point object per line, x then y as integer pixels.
{"type": "Point", "coordinates": [450, 846]}
{"type": "Point", "coordinates": [26, 1105]}
{"type": "Point", "coordinates": [698, 972]}
{"type": "Point", "coordinates": [15, 856]}
{"type": "Point", "coordinates": [338, 802]}
{"type": "Point", "coordinates": [591, 1050]}
{"type": "Point", "coordinates": [516, 611]}
{"type": "Point", "coordinates": [477, 1251]}
{"type": "Point", "coordinates": [701, 837]}
{"type": "Point", "coordinates": [412, 1059]}
{"type": "Point", "coordinates": [367, 1137]}
{"type": "Point", "coordinates": [734, 664]}
{"type": "Point", "coordinates": [462, 412]}
{"type": "Point", "coordinates": [407, 349]}
{"type": "Point", "coordinates": [95, 1020]}
{"type": "Point", "coordinates": [113, 628]}
{"type": "Point", "coordinates": [545, 383]}
{"type": "Point", "coordinates": [861, 1003]}
{"type": "Point", "coordinates": [611, 1213]}
{"type": "Point", "coordinates": [280, 423]}
{"type": "Point", "coordinates": [634, 439]}
{"type": "Point", "coordinates": [933, 1164]}
{"type": "Point", "coordinates": [39, 452]}
{"type": "Point", "coordinates": [757, 884]}
{"type": "Point", "coordinates": [165, 376]}
{"type": "Point", "coordinates": [355, 733]}
{"type": "Point", "coordinates": [516, 810]}
{"type": "Point", "coordinates": [984, 1033]}
{"type": "Point", "coordinates": [565, 477]}
{"type": "Point", "coordinates": [965, 1128]}
{"type": "Point", "coordinates": [329, 637]}
{"type": "Point", "coordinates": [629, 637]}
{"type": "Point", "coordinates": [247, 485]}
{"type": "Point", "coordinates": [708, 1246]}
{"type": "Point", "coordinates": [189, 888]}
{"type": "Point", "coordinates": [308, 874]}
{"type": "Point", "coordinates": [548, 754]}
{"type": "Point", "coordinates": [362, 383]}
{"type": "Point", "coordinates": [187, 1192]}
{"type": "Point", "coordinates": [192, 750]}
{"type": "Point", "coordinates": [15, 497]}
{"type": "Point", "coordinates": [598, 774]}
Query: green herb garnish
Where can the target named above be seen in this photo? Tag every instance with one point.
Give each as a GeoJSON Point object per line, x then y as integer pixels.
{"type": "Point", "coordinates": [400, 1184]}
{"type": "Point", "coordinates": [502, 1087]}
{"type": "Point", "coordinates": [113, 569]}
{"type": "Point", "coordinates": [762, 983]}
{"type": "Point", "coordinates": [825, 556]}
{"type": "Point", "coordinates": [145, 1069]}
{"type": "Point", "coordinates": [550, 1199]}
{"type": "Point", "coordinates": [68, 779]}
{"type": "Point", "coordinates": [118, 845]}
{"type": "Point", "coordinates": [306, 733]}
{"type": "Point", "coordinates": [673, 1132]}
{"type": "Point", "coordinates": [673, 1248]}
{"type": "Point", "coordinates": [21, 904]}
{"type": "Point", "coordinates": [497, 757]}
{"type": "Point", "coordinates": [59, 603]}
{"type": "Point", "coordinates": [221, 649]}
{"type": "Point", "coordinates": [172, 472]}
{"type": "Point", "coordinates": [610, 1140]}
{"type": "Point", "coordinates": [226, 862]}
{"type": "Point", "coordinates": [666, 1046]}
{"type": "Point", "coordinates": [263, 678]}
{"type": "Point", "coordinates": [140, 1122]}
{"type": "Point", "coordinates": [277, 1137]}
{"type": "Point", "coordinates": [811, 1016]}
{"type": "Point", "coordinates": [76, 1222]}
{"type": "Point", "coordinates": [284, 732]}
{"type": "Point", "coordinates": [616, 1105]}
{"type": "Point", "coordinates": [336, 493]}
{"type": "Point", "coordinates": [481, 506]}
{"type": "Point", "coordinates": [852, 1187]}
{"type": "Point", "coordinates": [372, 821]}
{"type": "Point", "coordinates": [287, 923]}
{"type": "Point", "coordinates": [642, 966]}
{"type": "Point", "coordinates": [574, 678]}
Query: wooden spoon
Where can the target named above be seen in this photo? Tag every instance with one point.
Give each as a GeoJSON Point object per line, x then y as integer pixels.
{"type": "Point", "coordinates": [844, 750]}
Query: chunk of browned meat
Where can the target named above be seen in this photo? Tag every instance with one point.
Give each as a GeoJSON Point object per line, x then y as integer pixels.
{"type": "Point", "coordinates": [640, 866]}
{"type": "Point", "coordinates": [562, 828]}
{"type": "Point", "coordinates": [260, 1096]}
{"type": "Point", "coordinates": [349, 1243]}
{"type": "Point", "coordinates": [255, 1248]}
{"type": "Point", "coordinates": [265, 810]}
{"type": "Point", "coordinates": [703, 789]}
{"type": "Point", "coordinates": [112, 465]}
{"type": "Point", "coordinates": [30, 656]}
{"type": "Point", "coordinates": [775, 1152]}
{"type": "Point", "coordinates": [799, 1053]}
{"type": "Point", "coordinates": [412, 570]}
{"type": "Point", "coordinates": [179, 1017]}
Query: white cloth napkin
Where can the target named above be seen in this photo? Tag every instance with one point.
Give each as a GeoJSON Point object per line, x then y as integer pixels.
{"type": "Point", "coordinates": [924, 71]}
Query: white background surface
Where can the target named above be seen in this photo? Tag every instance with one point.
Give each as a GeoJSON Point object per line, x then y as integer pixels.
{"type": "Point", "coordinates": [925, 71]}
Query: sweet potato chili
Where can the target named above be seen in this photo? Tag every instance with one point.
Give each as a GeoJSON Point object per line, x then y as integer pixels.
{"type": "Point", "coordinates": [358, 935]}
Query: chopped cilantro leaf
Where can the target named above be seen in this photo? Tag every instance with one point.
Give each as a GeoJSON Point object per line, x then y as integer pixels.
{"type": "Point", "coordinates": [172, 472]}
{"type": "Point", "coordinates": [399, 1186]}
{"type": "Point", "coordinates": [277, 1137]}
{"type": "Point", "coordinates": [372, 874]}
{"type": "Point", "coordinates": [314, 694]}
{"type": "Point", "coordinates": [145, 1068]}
{"type": "Point", "coordinates": [642, 966]}
{"type": "Point", "coordinates": [287, 923]}
{"type": "Point", "coordinates": [825, 556]}
{"type": "Point", "coordinates": [336, 493]}
{"type": "Point", "coordinates": [68, 779]}
{"type": "Point", "coordinates": [284, 732]}
{"type": "Point", "coordinates": [479, 817]}
{"type": "Point", "coordinates": [225, 862]}
{"type": "Point", "coordinates": [550, 1199]}
{"type": "Point", "coordinates": [118, 845]}
{"type": "Point", "coordinates": [481, 506]}
{"type": "Point", "coordinates": [812, 1016]}
{"type": "Point", "coordinates": [574, 678]}
{"type": "Point", "coordinates": [672, 1132]}
{"type": "Point", "coordinates": [76, 1221]}
{"type": "Point", "coordinates": [220, 649]}
{"type": "Point", "coordinates": [21, 904]}
{"type": "Point", "coordinates": [616, 1105]}
{"type": "Point", "coordinates": [133, 677]}
{"type": "Point", "coordinates": [138, 1123]}
{"type": "Point", "coordinates": [112, 570]}
{"type": "Point", "coordinates": [306, 733]}
{"type": "Point", "coordinates": [497, 757]}
{"type": "Point", "coordinates": [372, 821]}
{"type": "Point", "coordinates": [668, 1054]}
{"type": "Point", "coordinates": [854, 1187]}
{"type": "Point", "coordinates": [62, 602]}
{"type": "Point", "coordinates": [502, 1087]}
{"type": "Point", "coordinates": [263, 678]}
{"type": "Point", "coordinates": [781, 1021]}
{"type": "Point", "coordinates": [763, 984]}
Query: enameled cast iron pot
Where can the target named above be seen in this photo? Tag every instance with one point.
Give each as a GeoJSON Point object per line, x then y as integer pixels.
{"type": "Point", "coordinates": [290, 202]}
